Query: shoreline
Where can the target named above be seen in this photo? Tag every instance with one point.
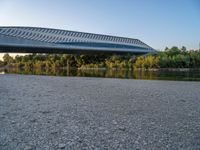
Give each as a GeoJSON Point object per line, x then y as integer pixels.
{"type": "Point", "coordinates": [102, 113]}
{"type": "Point", "coordinates": [104, 68]}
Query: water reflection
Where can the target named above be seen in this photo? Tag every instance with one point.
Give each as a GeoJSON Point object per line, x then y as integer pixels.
{"type": "Point", "coordinates": [127, 74]}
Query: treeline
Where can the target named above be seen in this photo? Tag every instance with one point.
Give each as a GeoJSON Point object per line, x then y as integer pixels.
{"type": "Point", "coordinates": [170, 58]}
{"type": "Point", "coordinates": [50, 61]}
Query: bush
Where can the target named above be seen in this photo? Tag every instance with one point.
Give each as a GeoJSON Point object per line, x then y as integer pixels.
{"type": "Point", "coordinates": [1, 63]}
{"type": "Point", "coordinates": [147, 62]}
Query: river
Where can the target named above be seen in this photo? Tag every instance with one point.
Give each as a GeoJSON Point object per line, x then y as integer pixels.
{"type": "Point", "coordinates": [183, 75]}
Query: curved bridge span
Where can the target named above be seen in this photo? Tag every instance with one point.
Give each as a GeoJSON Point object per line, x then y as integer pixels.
{"type": "Point", "coordinates": [45, 40]}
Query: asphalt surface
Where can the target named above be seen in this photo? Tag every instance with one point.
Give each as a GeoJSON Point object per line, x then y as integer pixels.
{"type": "Point", "coordinates": [44, 113]}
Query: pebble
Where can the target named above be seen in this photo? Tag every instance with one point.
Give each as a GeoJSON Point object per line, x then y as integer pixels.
{"type": "Point", "coordinates": [61, 146]}
{"type": "Point", "coordinates": [12, 121]}
{"type": "Point", "coordinates": [28, 147]}
{"type": "Point", "coordinates": [122, 128]}
{"type": "Point", "coordinates": [114, 122]}
{"type": "Point", "coordinates": [106, 131]}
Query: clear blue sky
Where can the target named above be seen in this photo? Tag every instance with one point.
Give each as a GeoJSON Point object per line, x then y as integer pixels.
{"type": "Point", "coordinates": [159, 23]}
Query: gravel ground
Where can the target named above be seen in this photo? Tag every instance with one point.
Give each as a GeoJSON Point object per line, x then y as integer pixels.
{"type": "Point", "coordinates": [42, 112]}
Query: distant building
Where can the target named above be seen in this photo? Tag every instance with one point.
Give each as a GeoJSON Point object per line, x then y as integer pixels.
{"type": "Point", "coordinates": [44, 40]}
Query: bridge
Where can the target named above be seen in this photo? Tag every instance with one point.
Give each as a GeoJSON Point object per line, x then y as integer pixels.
{"type": "Point", "coordinates": [45, 40]}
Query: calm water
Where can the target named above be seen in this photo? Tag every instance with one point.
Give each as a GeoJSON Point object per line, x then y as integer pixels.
{"type": "Point", "coordinates": [193, 75]}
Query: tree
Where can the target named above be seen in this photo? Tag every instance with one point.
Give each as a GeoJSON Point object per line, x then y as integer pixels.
{"type": "Point", "coordinates": [7, 59]}
{"type": "Point", "coordinates": [183, 49]}
{"type": "Point", "coordinates": [1, 63]}
{"type": "Point", "coordinates": [173, 51]}
{"type": "Point", "coordinates": [166, 48]}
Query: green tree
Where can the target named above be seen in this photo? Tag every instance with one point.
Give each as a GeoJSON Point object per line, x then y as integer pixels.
{"type": "Point", "coordinates": [7, 59]}
{"type": "Point", "coordinates": [183, 49]}
{"type": "Point", "coordinates": [173, 51]}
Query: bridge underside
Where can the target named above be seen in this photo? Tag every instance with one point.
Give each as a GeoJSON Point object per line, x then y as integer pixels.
{"type": "Point", "coordinates": [27, 49]}
{"type": "Point", "coordinates": [40, 40]}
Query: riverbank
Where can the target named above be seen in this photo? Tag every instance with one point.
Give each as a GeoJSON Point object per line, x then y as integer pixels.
{"type": "Point", "coordinates": [102, 68]}
{"type": "Point", "coordinates": [165, 74]}
{"type": "Point", "coordinates": [170, 58]}
{"type": "Point", "coordinates": [42, 112]}
{"type": "Point", "coordinates": [142, 69]}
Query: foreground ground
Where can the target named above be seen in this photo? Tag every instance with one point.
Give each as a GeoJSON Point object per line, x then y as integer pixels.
{"type": "Point", "coordinates": [40, 112]}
